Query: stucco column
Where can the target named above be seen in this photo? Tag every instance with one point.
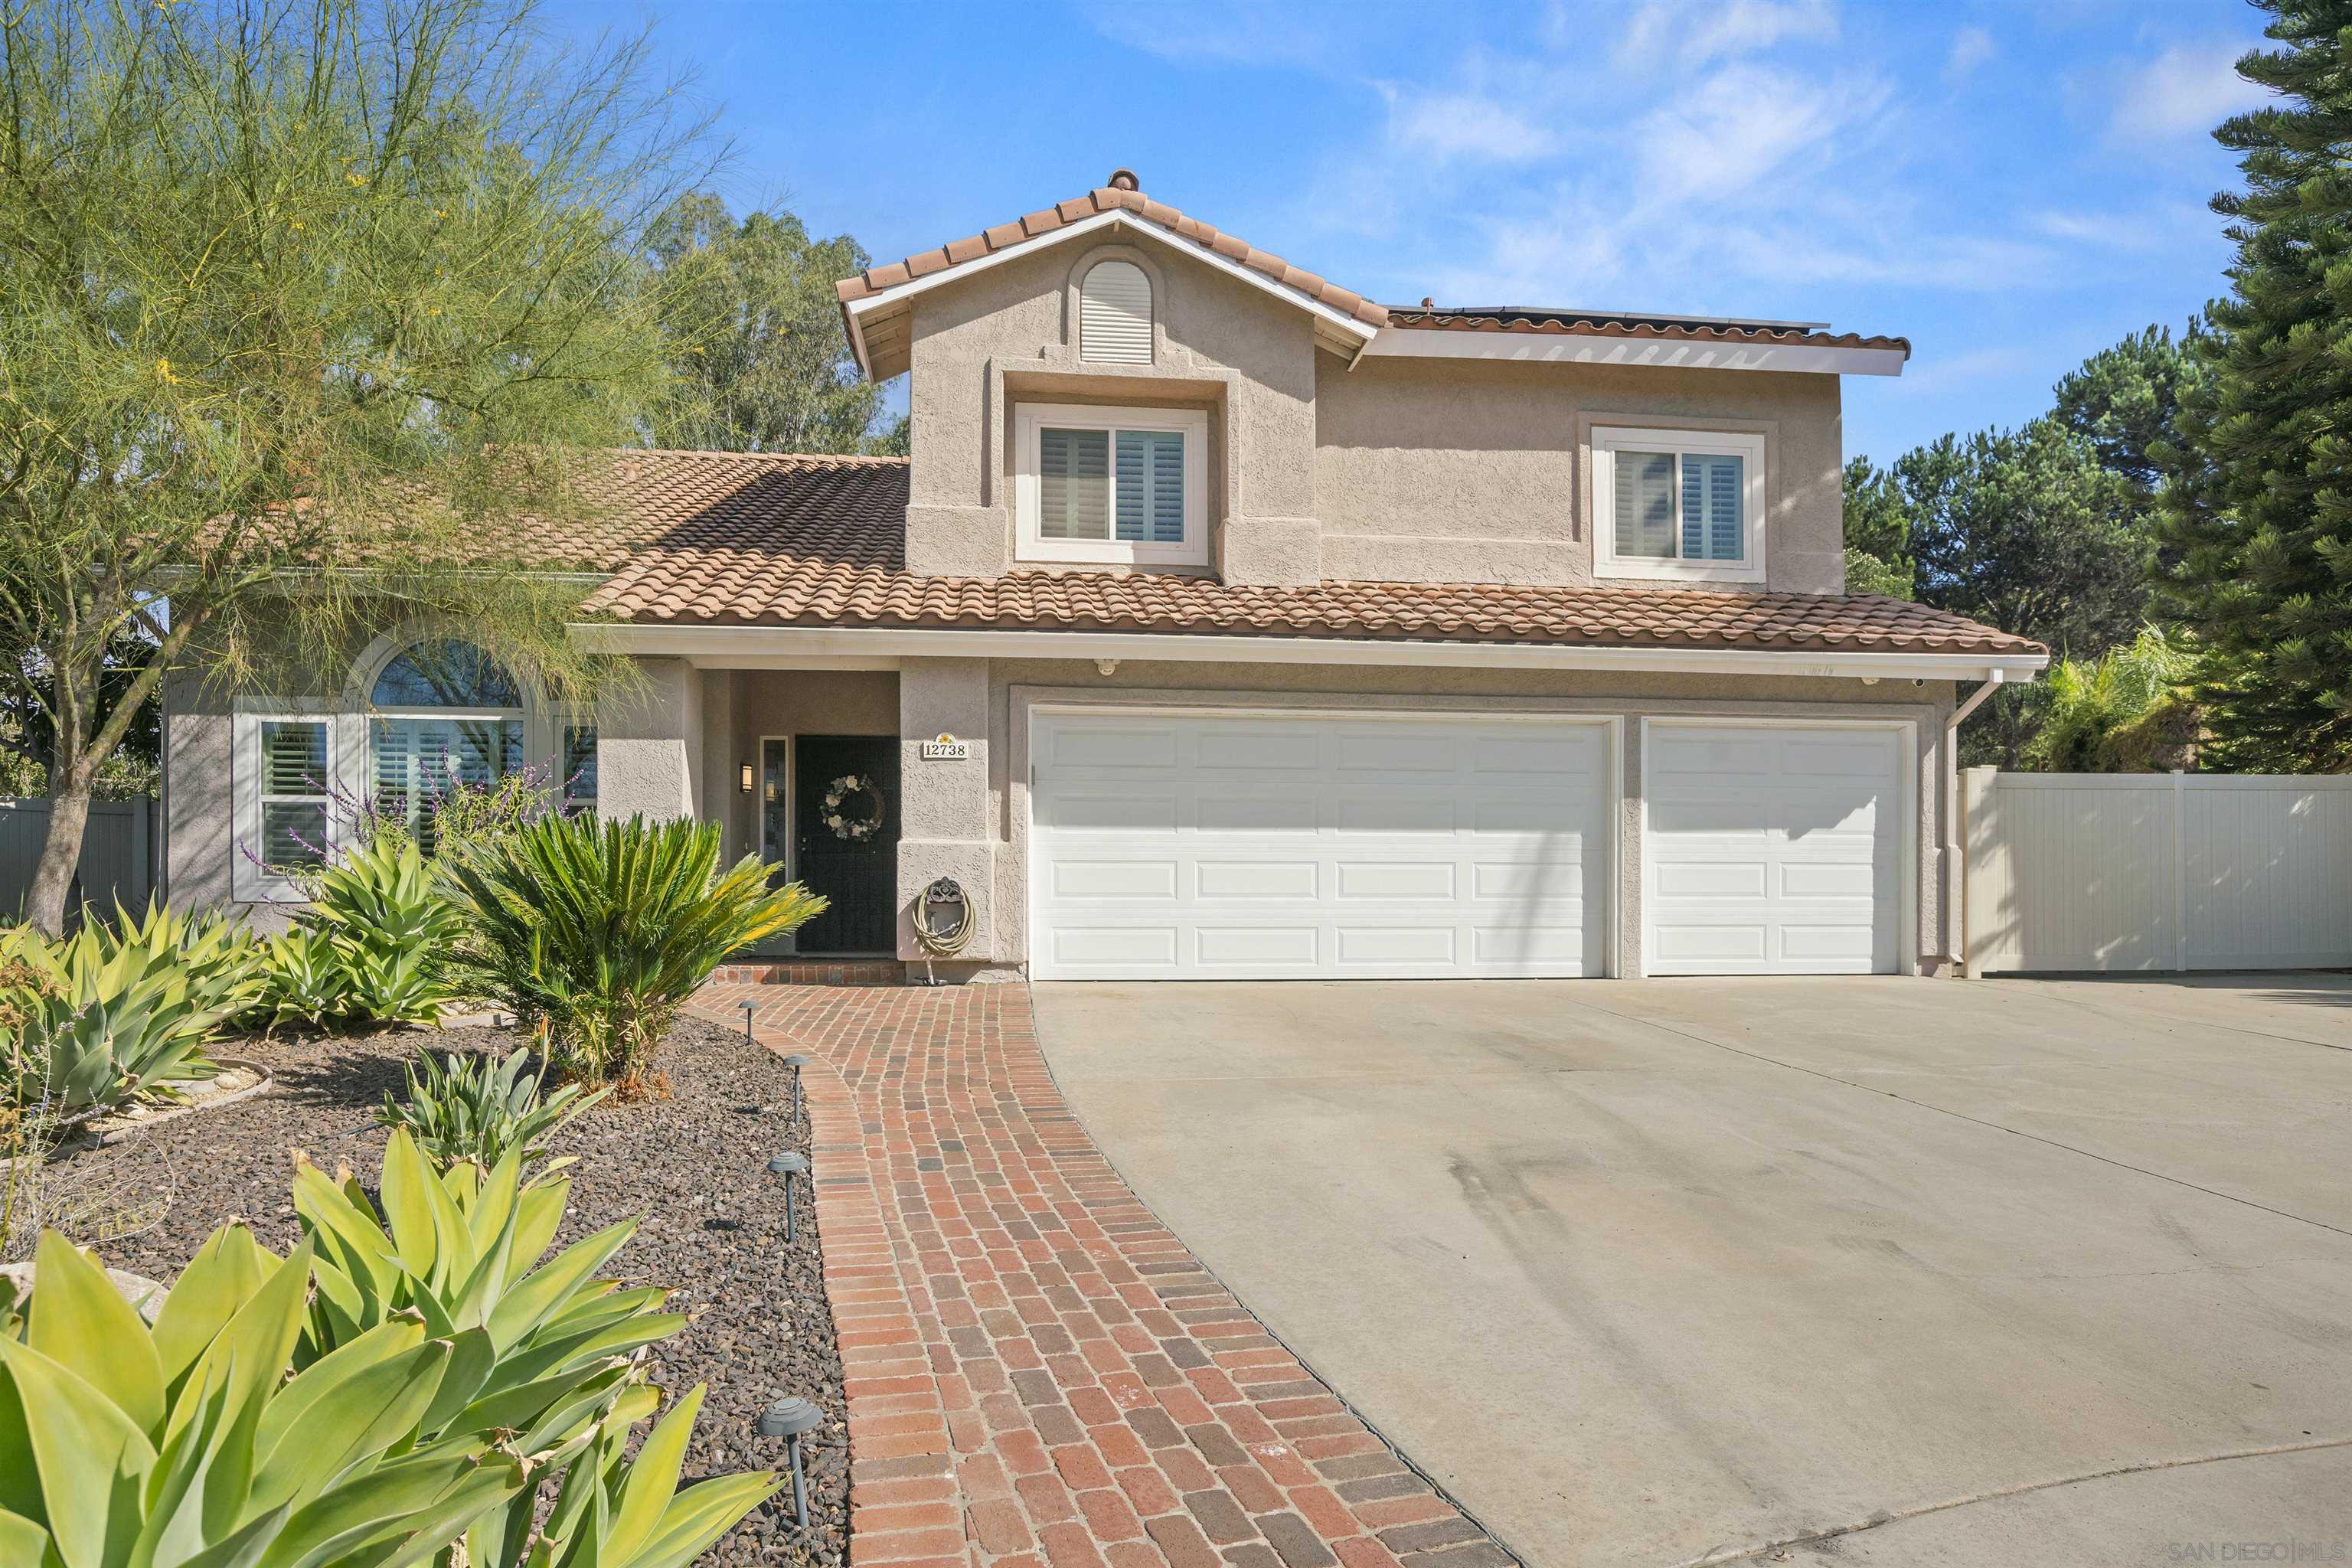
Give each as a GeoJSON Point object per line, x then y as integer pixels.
{"type": "Point", "coordinates": [649, 744]}
{"type": "Point", "coordinates": [946, 828]}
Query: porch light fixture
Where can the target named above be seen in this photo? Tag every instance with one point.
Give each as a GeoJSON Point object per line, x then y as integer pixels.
{"type": "Point", "coordinates": [788, 1164]}
{"type": "Point", "coordinates": [744, 778]}
{"type": "Point", "coordinates": [787, 1418]}
{"type": "Point", "coordinates": [797, 1061]}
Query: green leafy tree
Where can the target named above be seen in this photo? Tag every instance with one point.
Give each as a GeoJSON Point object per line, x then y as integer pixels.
{"type": "Point", "coordinates": [2126, 400]}
{"type": "Point", "coordinates": [2128, 712]}
{"type": "Point", "coordinates": [2026, 529]}
{"type": "Point", "coordinates": [1878, 532]}
{"type": "Point", "coordinates": [299, 301]}
{"type": "Point", "coordinates": [761, 362]}
{"type": "Point", "coordinates": [2258, 503]}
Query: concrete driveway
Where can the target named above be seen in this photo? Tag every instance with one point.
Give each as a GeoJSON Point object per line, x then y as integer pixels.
{"type": "Point", "coordinates": [1881, 1271]}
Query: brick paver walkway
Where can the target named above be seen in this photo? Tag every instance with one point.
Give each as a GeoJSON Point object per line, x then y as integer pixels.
{"type": "Point", "coordinates": [1039, 1373]}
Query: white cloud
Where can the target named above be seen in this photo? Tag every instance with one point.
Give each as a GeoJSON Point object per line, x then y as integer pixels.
{"type": "Point", "coordinates": [2186, 91]}
{"type": "Point", "coordinates": [1971, 47]}
{"type": "Point", "coordinates": [1689, 35]}
{"type": "Point", "coordinates": [1742, 123]}
{"type": "Point", "coordinates": [1462, 125]}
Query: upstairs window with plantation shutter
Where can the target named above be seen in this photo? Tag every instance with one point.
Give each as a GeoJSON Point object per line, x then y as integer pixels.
{"type": "Point", "coordinates": [1678, 503]}
{"type": "Point", "coordinates": [1124, 485]}
{"type": "Point", "coordinates": [1115, 314]}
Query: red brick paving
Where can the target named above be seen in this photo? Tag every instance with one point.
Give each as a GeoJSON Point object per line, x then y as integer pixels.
{"type": "Point", "coordinates": [1039, 1373]}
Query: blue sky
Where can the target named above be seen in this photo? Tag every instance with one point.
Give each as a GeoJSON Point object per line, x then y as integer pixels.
{"type": "Point", "coordinates": [2012, 187]}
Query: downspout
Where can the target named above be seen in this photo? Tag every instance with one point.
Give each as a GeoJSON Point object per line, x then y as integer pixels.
{"type": "Point", "coordinates": [1955, 878]}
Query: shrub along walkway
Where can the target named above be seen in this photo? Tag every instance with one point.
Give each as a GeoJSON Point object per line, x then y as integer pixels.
{"type": "Point", "coordinates": [1038, 1372]}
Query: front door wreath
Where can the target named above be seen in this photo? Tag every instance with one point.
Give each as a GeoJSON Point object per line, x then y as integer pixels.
{"type": "Point", "coordinates": [853, 808]}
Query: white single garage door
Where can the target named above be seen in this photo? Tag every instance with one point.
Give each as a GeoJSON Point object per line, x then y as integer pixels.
{"type": "Point", "coordinates": [1245, 847]}
{"type": "Point", "coordinates": [1771, 849]}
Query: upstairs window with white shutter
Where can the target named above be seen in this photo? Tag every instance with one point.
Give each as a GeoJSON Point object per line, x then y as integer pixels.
{"type": "Point", "coordinates": [1115, 314]}
{"type": "Point", "coordinates": [1679, 504]}
{"type": "Point", "coordinates": [1114, 486]}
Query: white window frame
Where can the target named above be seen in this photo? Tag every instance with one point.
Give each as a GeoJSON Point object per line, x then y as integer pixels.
{"type": "Point", "coordinates": [1606, 442]}
{"type": "Point", "coordinates": [1031, 545]}
{"type": "Point", "coordinates": [554, 719]}
{"type": "Point", "coordinates": [249, 882]}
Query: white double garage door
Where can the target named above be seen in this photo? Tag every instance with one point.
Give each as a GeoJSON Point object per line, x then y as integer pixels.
{"type": "Point", "coordinates": [1213, 846]}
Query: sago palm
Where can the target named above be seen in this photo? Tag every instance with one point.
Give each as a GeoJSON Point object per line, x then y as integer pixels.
{"type": "Point", "coordinates": [603, 932]}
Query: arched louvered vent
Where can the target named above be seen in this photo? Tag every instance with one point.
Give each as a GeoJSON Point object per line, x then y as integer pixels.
{"type": "Point", "coordinates": [1115, 314]}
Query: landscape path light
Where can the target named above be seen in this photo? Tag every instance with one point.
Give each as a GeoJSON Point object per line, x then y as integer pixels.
{"type": "Point", "coordinates": [747, 1027]}
{"type": "Point", "coordinates": [787, 1418]}
{"type": "Point", "coordinates": [795, 1061]}
{"type": "Point", "coordinates": [788, 1164]}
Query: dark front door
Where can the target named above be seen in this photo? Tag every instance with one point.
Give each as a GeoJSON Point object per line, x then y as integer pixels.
{"type": "Point", "coordinates": [858, 874]}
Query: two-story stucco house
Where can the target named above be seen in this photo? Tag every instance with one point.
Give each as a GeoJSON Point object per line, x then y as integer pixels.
{"type": "Point", "coordinates": [1227, 624]}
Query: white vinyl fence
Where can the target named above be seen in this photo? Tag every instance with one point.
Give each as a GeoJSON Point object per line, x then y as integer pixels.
{"type": "Point", "coordinates": [2082, 871]}
{"type": "Point", "coordinates": [117, 853]}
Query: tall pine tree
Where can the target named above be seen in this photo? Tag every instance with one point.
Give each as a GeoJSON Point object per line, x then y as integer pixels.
{"type": "Point", "coordinates": [2258, 514]}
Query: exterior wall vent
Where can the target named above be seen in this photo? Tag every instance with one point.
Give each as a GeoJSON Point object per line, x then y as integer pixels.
{"type": "Point", "coordinates": [1115, 314]}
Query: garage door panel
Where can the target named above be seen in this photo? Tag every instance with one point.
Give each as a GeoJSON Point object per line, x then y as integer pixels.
{"type": "Point", "coordinates": [1114, 880]}
{"type": "Point", "coordinates": [1078, 811]}
{"type": "Point", "coordinates": [1412, 848]}
{"type": "Point", "coordinates": [1773, 849]}
{"type": "Point", "coordinates": [1368, 813]}
{"type": "Point", "coordinates": [1112, 746]}
{"type": "Point", "coordinates": [1217, 811]}
{"type": "Point", "coordinates": [1257, 947]}
{"type": "Point", "coordinates": [1245, 746]}
{"type": "Point", "coordinates": [1388, 748]}
{"type": "Point", "coordinates": [1256, 880]}
{"type": "Point", "coordinates": [1427, 881]}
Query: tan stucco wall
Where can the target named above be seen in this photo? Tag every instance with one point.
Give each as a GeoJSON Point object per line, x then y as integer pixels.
{"type": "Point", "coordinates": [1388, 469]}
{"type": "Point", "coordinates": [1479, 471]}
{"type": "Point", "coordinates": [983, 344]}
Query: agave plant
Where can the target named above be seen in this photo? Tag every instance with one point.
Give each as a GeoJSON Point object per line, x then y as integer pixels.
{"type": "Point", "coordinates": [304, 981]}
{"type": "Point", "coordinates": [602, 932]}
{"type": "Point", "coordinates": [477, 1107]}
{"type": "Point", "coordinates": [187, 1446]}
{"type": "Point", "coordinates": [460, 1249]}
{"type": "Point", "coordinates": [116, 1012]}
{"type": "Point", "coordinates": [613, 1512]}
{"type": "Point", "coordinates": [388, 925]}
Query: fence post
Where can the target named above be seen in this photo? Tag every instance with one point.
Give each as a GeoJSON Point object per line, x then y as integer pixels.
{"type": "Point", "coordinates": [1977, 786]}
{"type": "Point", "coordinates": [142, 869]}
{"type": "Point", "coordinates": [2179, 873]}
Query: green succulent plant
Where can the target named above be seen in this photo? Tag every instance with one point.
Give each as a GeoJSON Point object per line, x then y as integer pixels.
{"type": "Point", "coordinates": [388, 917]}
{"type": "Point", "coordinates": [372, 947]}
{"type": "Point", "coordinates": [603, 932]}
{"type": "Point", "coordinates": [305, 982]}
{"type": "Point", "coordinates": [120, 1011]}
{"type": "Point", "coordinates": [187, 1446]}
{"type": "Point", "coordinates": [461, 1248]}
{"type": "Point", "coordinates": [617, 1512]}
{"type": "Point", "coordinates": [478, 1107]}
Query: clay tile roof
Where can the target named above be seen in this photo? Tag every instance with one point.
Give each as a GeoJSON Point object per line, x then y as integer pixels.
{"type": "Point", "coordinates": [1537, 321]}
{"type": "Point", "coordinates": [1037, 224]}
{"type": "Point", "coordinates": [708, 538]}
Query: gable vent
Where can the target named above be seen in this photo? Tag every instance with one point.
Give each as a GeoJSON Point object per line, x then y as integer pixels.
{"type": "Point", "coordinates": [1115, 314]}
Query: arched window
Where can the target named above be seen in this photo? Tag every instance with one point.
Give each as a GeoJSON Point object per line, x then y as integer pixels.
{"type": "Point", "coordinates": [1115, 314]}
{"type": "Point", "coordinates": [447, 714]}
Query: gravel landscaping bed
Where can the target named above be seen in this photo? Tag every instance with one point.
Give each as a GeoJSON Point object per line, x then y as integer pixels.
{"type": "Point", "coordinates": [693, 1165]}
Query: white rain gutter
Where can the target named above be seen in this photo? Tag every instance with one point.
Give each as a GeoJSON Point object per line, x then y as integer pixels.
{"type": "Point", "coordinates": [882, 648]}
